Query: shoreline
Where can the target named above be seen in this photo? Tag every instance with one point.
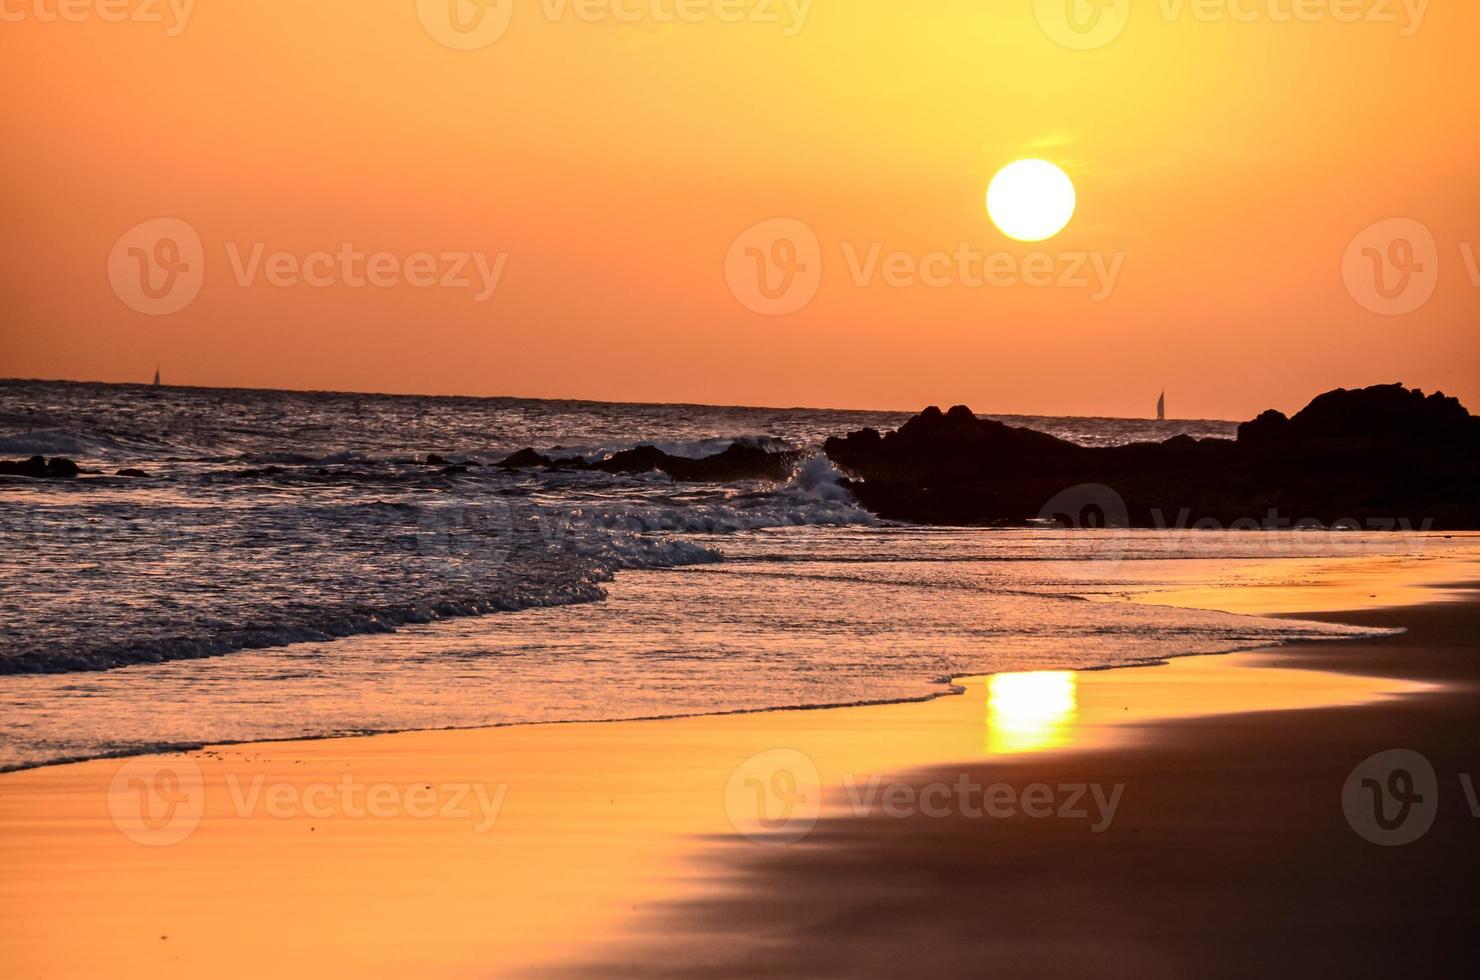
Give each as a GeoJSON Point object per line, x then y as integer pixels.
{"type": "Point", "coordinates": [955, 684]}
{"type": "Point", "coordinates": [1422, 581]}
{"type": "Point", "coordinates": [605, 822]}
{"type": "Point", "coordinates": [195, 747]}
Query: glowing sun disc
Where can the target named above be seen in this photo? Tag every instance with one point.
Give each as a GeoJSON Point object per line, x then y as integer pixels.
{"type": "Point", "coordinates": [1031, 200]}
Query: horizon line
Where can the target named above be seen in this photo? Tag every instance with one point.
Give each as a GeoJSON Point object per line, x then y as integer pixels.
{"type": "Point", "coordinates": [583, 400]}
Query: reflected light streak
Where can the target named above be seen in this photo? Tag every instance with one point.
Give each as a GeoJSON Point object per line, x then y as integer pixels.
{"type": "Point", "coordinates": [1030, 712]}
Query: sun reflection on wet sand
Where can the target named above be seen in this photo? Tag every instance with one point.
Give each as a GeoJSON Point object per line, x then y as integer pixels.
{"type": "Point", "coordinates": [1028, 712]}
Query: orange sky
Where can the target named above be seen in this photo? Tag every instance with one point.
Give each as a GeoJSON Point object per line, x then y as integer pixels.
{"type": "Point", "coordinates": [1223, 166]}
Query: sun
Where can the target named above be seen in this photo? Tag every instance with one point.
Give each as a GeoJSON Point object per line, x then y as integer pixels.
{"type": "Point", "coordinates": [1031, 200]}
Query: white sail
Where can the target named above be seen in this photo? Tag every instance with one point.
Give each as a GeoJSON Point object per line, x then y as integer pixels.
{"type": "Point", "coordinates": [1161, 408]}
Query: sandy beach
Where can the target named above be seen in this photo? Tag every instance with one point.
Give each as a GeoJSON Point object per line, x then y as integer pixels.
{"type": "Point", "coordinates": [739, 488]}
{"type": "Point", "coordinates": [1190, 807]}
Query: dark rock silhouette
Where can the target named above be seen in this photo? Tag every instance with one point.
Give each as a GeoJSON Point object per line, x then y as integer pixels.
{"type": "Point", "coordinates": [735, 463]}
{"type": "Point", "coordinates": [526, 459]}
{"type": "Point", "coordinates": [1377, 458]}
{"type": "Point", "coordinates": [40, 468]}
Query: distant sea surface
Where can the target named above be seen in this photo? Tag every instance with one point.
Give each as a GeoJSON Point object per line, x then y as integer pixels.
{"type": "Point", "coordinates": [289, 565]}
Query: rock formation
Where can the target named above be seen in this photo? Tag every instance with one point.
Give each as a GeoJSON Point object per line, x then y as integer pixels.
{"type": "Point", "coordinates": [1381, 457]}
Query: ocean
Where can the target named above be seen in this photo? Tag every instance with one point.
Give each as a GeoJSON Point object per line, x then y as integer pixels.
{"type": "Point", "coordinates": [289, 565]}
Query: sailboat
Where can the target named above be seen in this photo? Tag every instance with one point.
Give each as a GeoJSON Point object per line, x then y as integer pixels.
{"type": "Point", "coordinates": [1161, 408]}
{"type": "Point", "coordinates": [156, 377]}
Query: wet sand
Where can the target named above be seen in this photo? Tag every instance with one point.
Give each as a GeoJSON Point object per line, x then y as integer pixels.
{"type": "Point", "coordinates": [1231, 855]}
{"type": "Point", "coordinates": [612, 849]}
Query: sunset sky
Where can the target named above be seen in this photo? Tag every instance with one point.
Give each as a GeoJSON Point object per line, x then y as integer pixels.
{"type": "Point", "coordinates": [605, 165]}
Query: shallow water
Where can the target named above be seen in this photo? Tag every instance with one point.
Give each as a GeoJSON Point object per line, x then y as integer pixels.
{"type": "Point", "coordinates": [792, 617]}
{"type": "Point", "coordinates": [357, 589]}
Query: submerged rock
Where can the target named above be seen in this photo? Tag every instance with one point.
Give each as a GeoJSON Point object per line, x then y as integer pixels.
{"type": "Point", "coordinates": [735, 463]}
{"type": "Point", "coordinates": [1377, 458]}
{"type": "Point", "coordinates": [40, 468]}
{"type": "Point", "coordinates": [525, 459]}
